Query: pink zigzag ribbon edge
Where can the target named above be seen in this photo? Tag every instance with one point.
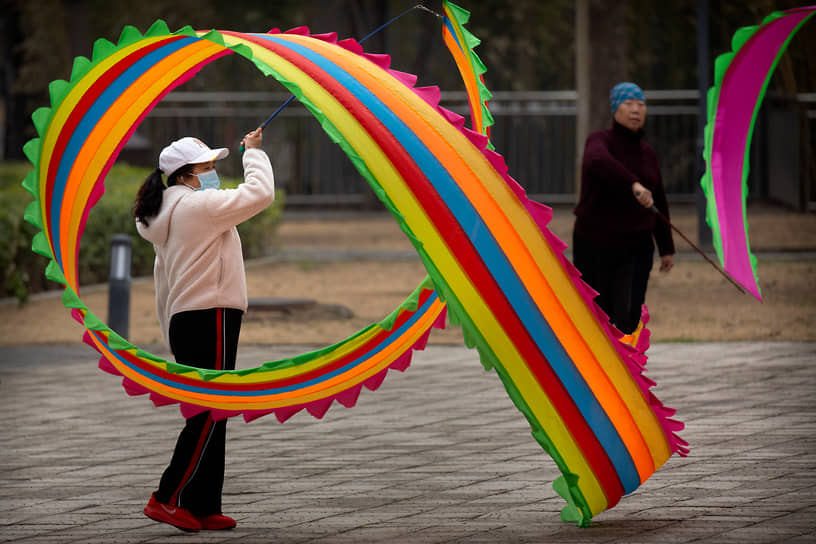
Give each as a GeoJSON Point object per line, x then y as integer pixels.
{"type": "Point", "coordinates": [634, 358]}
{"type": "Point", "coordinates": [316, 408]}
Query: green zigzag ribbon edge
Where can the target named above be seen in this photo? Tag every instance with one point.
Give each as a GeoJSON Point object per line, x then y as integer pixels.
{"type": "Point", "coordinates": [41, 118]}
{"type": "Point", "coordinates": [59, 89]}
{"type": "Point", "coordinates": [462, 16]}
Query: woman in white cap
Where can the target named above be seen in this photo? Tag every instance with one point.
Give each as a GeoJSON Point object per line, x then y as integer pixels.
{"type": "Point", "coordinates": [200, 299]}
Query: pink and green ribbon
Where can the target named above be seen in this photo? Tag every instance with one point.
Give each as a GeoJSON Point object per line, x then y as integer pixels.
{"type": "Point", "coordinates": [741, 78]}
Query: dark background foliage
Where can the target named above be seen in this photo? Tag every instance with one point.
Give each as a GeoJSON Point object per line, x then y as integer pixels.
{"type": "Point", "coordinates": [526, 44]}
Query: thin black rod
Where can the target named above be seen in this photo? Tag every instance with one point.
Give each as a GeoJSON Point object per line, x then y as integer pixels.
{"type": "Point", "coordinates": [367, 36]}
{"type": "Point", "coordinates": [292, 97]}
{"type": "Point", "coordinates": [277, 111]}
{"type": "Point", "coordinates": [700, 251]}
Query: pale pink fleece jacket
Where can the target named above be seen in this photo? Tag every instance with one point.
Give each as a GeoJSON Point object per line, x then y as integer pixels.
{"type": "Point", "coordinates": [199, 264]}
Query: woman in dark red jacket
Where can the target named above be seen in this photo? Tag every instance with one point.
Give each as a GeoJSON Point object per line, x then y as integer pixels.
{"type": "Point", "coordinates": [615, 227]}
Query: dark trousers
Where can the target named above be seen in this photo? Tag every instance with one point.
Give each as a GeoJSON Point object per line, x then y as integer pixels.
{"type": "Point", "coordinates": [619, 275]}
{"type": "Point", "coordinates": [195, 477]}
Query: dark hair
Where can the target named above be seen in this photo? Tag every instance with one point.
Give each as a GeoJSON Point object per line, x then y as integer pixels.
{"type": "Point", "coordinates": [185, 170]}
{"type": "Point", "coordinates": [149, 198]}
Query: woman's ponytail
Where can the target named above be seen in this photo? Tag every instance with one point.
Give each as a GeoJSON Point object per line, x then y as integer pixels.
{"type": "Point", "coordinates": [149, 198]}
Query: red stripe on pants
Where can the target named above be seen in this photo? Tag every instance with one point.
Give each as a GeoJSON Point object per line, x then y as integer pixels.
{"type": "Point", "coordinates": [195, 459]}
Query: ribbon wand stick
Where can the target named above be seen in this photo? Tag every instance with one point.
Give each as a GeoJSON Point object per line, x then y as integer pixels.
{"type": "Point", "coordinates": [700, 251]}
{"type": "Point", "coordinates": [292, 97]}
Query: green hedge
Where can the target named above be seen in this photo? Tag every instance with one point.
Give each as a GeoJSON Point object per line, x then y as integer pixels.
{"type": "Point", "coordinates": [23, 271]}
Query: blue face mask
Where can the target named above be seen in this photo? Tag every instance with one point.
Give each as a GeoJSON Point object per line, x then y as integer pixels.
{"type": "Point", "coordinates": [208, 180]}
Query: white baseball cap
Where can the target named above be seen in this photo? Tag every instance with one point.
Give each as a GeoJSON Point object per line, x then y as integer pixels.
{"type": "Point", "coordinates": [188, 151]}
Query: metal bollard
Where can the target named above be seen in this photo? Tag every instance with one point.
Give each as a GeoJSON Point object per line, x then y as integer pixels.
{"type": "Point", "coordinates": [119, 285]}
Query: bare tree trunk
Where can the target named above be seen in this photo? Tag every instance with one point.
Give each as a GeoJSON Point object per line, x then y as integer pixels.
{"type": "Point", "coordinates": [366, 16]}
{"type": "Point", "coordinates": [428, 45]}
{"type": "Point", "coordinates": [76, 18]}
{"type": "Point", "coordinates": [609, 56]}
{"type": "Point", "coordinates": [583, 60]}
{"type": "Point", "coordinates": [601, 61]}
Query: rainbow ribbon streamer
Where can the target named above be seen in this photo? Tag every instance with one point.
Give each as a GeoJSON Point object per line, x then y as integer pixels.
{"type": "Point", "coordinates": [460, 42]}
{"type": "Point", "coordinates": [492, 262]}
{"type": "Point", "coordinates": [741, 78]}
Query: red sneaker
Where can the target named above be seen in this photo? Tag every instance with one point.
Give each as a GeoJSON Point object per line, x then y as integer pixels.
{"type": "Point", "coordinates": [174, 515]}
{"type": "Point", "coordinates": [216, 522]}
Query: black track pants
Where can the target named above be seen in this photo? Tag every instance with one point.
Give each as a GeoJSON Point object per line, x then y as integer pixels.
{"type": "Point", "coordinates": [195, 477]}
{"type": "Point", "coordinates": [619, 275]}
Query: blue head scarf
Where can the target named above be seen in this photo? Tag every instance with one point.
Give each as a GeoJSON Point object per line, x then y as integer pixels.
{"type": "Point", "coordinates": [622, 92]}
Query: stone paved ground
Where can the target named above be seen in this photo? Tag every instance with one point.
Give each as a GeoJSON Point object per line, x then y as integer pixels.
{"type": "Point", "coordinates": [437, 454]}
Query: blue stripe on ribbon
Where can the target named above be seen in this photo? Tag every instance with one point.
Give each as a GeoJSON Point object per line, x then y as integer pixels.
{"type": "Point", "coordinates": [388, 340]}
{"type": "Point", "coordinates": [450, 28]}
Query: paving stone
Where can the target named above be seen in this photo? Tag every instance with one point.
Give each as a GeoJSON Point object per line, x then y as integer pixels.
{"type": "Point", "coordinates": [412, 462]}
